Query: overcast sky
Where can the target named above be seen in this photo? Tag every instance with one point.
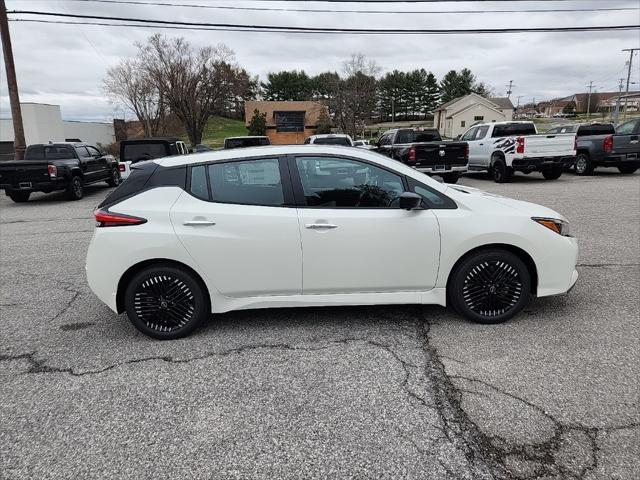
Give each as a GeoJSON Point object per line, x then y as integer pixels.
{"type": "Point", "coordinates": [65, 64]}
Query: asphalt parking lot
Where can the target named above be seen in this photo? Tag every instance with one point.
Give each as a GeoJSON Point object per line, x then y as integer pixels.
{"type": "Point", "coordinates": [371, 392]}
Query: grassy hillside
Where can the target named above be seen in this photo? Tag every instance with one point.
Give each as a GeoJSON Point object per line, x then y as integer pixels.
{"type": "Point", "coordinates": [219, 128]}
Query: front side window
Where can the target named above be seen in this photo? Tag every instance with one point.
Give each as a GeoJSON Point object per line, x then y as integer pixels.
{"type": "Point", "coordinates": [343, 183]}
{"type": "Point", "coordinates": [627, 128]}
{"type": "Point", "coordinates": [251, 182]}
{"type": "Point", "coordinates": [468, 136]}
{"type": "Point", "coordinates": [93, 151]}
{"type": "Point", "coordinates": [430, 197]}
{"type": "Point", "coordinates": [82, 152]}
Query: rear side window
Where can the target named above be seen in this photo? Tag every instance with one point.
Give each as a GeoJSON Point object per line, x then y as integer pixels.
{"type": "Point", "coordinates": [333, 141]}
{"type": "Point", "coordinates": [138, 152]}
{"type": "Point", "coordinates": [417, 136]}
{"type": "Point", "coordinates": [55, 152]}
{"type": "Point", "coordinates": [35, 153]}
{"type": "Point", "coordinates": [512, 129]}
{"type": "Point", "coordinates": [251, 182]}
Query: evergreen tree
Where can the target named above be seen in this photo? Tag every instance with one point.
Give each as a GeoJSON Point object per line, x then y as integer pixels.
{"type": "Point", "coordinates": [258, 123]}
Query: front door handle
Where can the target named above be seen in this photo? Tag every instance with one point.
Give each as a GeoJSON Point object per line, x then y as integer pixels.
{"type": "Point", "coordinates": [320, 226]}
{"type": "Point", "coordinates": [199, 223]}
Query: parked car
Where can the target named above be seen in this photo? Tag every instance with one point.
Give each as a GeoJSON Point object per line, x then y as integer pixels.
{"type": "Point", "coordinates": [330, 139]}
{"type": "Point", "coordinates": [502, 148]}
{"type": "Point", "coordinates": [142, 149]}
{"type": "Point", "coordinates": [216, 231]}
{"type": "Point", "coordinates": [57, 166]}
{"type": "Point", "coordinates": [366, 144]}
{"type": "Point", "coordinates": [605, 146]}
{"type": "Point", "coordinates": [425, 150]}
{"type": "Point", "coordinates": [248, 141]}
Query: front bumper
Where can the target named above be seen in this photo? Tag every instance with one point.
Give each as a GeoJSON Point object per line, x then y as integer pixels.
{"type": "Point", "coordinates": [533, 164]}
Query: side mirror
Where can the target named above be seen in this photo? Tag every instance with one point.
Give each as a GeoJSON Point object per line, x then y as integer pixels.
{"type": "Point", "coordinates": [458, 137]}
{"type": "Point", "coordinates": [410, 201]}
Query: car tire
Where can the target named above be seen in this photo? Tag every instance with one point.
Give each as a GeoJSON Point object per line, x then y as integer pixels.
{"type": "Point", "coordinates": [20, 197]}
{"type": "Point", "coordinates": [583, 165]}
{"type": "Point", "coordinates": [552, 173]}
{"type": "Point", "coordinates": [114, 179]}
{"type": "Point", "coordinates": [166, 302]}
{"type": "Point", "coordinates": [627, 169]}
{"type": "Point", "coordinates": [450, 177]}
{"type": "Point", "coordinates": [490, 286]}
{"type": "Point", "coordinates": [500, 172]}
{"type": "Point", "coordinates": [75, 189]}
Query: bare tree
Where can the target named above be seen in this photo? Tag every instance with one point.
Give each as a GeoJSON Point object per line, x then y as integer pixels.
{"type": "Point", "coordinates": [191, 80]}
{"type": "Point", "coordinates": [127, 84]}
{"type": "Point", "coordinates": [359, 63]}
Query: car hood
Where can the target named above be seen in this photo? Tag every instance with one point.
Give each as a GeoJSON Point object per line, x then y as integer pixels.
{"type": "Point", "coordinates": [475, 198]}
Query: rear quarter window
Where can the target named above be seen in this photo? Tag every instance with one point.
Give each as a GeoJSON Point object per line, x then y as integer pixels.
{"type": "Point", "coordinates": [512, 129]}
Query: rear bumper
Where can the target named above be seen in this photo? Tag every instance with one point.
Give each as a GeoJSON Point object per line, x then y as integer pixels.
{"type": "Point", "coordinates": [615, 160]}
{"type": "Point", "coordinates": [447, 169]}
{"type": "Point", "coordinates": [542, 163]}
{"type": "Point", "coordinates": [49, 186]}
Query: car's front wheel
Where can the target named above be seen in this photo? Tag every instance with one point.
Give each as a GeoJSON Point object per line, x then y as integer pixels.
{"type": "Point", "coordinates": [490, 286]}
{"type": "Point", "coordinates": [166, 302]}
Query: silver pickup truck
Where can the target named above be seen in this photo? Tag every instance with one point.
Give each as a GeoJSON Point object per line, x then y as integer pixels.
{"type": "Point", "coordinates": [503, 148]}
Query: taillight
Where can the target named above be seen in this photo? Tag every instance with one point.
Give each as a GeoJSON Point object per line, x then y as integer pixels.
{"type": "Point", "coordinates": [412, 154]}
{"type": "Point", "coordinates": [53, 171]}
{"type": "Point", "coordinates": [107, 219]}
{"type": "Point", "coordinates": [607, 144]}
{"type": "Point", "coordinates": [520, 145]}
{"type": "Point", "coordinates": [121, 167]}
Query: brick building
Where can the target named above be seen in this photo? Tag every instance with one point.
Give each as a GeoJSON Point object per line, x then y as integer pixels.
{"type": "Point", "coordinates": [287, 122]}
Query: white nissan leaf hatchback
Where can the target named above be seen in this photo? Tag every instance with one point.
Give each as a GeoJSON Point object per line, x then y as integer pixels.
{"type": "Point", "coordinates": [314, 225]}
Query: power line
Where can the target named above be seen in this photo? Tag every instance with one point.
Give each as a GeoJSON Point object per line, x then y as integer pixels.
{"type": "Point", "coordinates": [278, 28]}
{"type": "Point", "coordinates": [326, 10]}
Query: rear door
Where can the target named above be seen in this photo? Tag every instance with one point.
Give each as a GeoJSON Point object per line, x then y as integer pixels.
{"type": "Point", "coordinates": [238, 223]}
{"type": "Point", "coordinates": [88, 164]}
{"type": "Point", "coordinates": [355, 238]}
{"type": "Point", "coordinates": [102, 167]}
{"type": "Point", "coordinates": [626, 141]}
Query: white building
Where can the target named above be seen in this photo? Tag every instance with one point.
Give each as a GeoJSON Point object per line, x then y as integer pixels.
{"type": "Point", "coordinates": [43, 123]}
{"type": "Point", "coordinates": [455, 117]}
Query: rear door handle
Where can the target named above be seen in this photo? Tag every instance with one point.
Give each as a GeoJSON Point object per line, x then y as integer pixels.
{"type": "Point", "coordinates": [199, 223]}
{"type": "Point", "coordinates": [320, 226]}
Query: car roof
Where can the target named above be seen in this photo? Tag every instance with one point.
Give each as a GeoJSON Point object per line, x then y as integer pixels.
{"type": "Point", "coordinates": [61, 144]}
{"type": "Point", "coordinates": [330, 135]}
{"type": "Point", "coordinates": [152, 140]}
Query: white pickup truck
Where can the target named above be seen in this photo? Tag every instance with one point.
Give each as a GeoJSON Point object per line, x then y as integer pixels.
{"type": "Point", "coordinates": [502, 148]}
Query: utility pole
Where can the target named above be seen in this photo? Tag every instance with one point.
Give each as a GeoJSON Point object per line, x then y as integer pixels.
{"type": "Point", "coordinates": [630, 50]}
{"type": "Point", "coordinates": [518, 98]}
{"type": "Point", "coordinates": [616, 113]}
{"type": "Point", "coordinates": [589, 99]}
{"type": "Point", "coordinates": [19, 145]}
{"type": "Point", "coordinates": [509, 91]}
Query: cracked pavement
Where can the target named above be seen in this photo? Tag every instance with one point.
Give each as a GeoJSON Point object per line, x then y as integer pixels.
{"type": "Point", "coordinates": [355, 392]}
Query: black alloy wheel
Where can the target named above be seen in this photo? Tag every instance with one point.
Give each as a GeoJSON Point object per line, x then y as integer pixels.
{"type": "Point", "coordinates": [75, 189]}
{"type": "Point", "coordinates": [166, 302]}
{"type": "Point", "coordinates": [501, 173]}
{"type": "Point", "coordinates": [490, 286]}
{"type": "Point", "coordinates": [114, 179]}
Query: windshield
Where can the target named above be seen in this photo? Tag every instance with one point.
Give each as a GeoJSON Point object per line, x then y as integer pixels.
{"type": "Point", "coordinates": [332, 141]}
{"type": "Point", "coordinates": [417, 136]}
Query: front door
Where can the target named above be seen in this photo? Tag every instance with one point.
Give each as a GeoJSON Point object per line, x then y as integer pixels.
{"type": "Point", "coordinates": [355, 238]}
{"type": "Point", "coordinates": [235, 225]}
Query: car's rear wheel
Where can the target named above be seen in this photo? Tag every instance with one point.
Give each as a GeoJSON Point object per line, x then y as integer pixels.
{"type": "Point", "coordinates": [627, 169]}
{"type": "Point", "coordinates": [75, 189]}
{"type": "Point", "coordinates": [20, 197]}
{"type": "Point", "coordinates": [552, 173]}
{"type": "Point", "coordinates": [450, 177]}
{"type": "Point", "coordinates": [166, 302]}
{"type": "Point", "coordinates": [501, 173]}
{"type": "Point", "coordinates": [490, 286]}
{"type": "Point", "coordinates": [114, 179]}
{"type": "Point", "coordinates": [583, 165]}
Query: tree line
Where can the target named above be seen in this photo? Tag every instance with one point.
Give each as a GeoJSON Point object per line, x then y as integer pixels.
{"type": "Point", "coordinates": [170, 79]}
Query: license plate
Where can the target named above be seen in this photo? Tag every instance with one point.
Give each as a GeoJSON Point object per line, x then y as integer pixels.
{"type": "Point", "coordinates": [24, 184]}
{"type": "Point", "coordinates": [440, 167]}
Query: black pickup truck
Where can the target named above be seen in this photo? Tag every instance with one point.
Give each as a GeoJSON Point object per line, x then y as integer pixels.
{"type": "Point", "coordinates": [602, 145]}
{"type": "Point", "coordinates": [424, 150]}
{"type": "Point", "coordinates": [57, 166]}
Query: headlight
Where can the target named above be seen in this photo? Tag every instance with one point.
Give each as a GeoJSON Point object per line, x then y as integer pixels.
{"type": "Point", "coordinates": [559, 226]}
